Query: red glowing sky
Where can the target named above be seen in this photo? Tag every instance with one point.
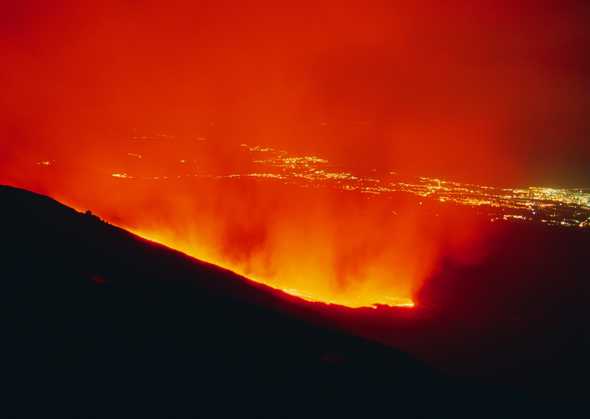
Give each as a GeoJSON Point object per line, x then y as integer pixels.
{"type": "Point", "coordinates": [495, 92]}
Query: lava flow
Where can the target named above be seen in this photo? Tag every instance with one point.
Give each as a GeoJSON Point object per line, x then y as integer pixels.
{"type": "Point", "coordinates": [351, 299]}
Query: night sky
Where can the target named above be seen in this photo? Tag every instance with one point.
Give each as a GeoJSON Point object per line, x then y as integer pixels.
{"type": "Point", "coordinates": [495, 92]}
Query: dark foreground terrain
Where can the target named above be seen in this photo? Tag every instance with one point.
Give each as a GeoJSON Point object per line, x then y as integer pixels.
{"type": "Point", "coordinates": [99, 322]}
{"type": "Point", "coordinates": [517, 316]}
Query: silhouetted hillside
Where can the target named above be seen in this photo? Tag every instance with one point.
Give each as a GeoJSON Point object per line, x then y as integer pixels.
{"type": "Point", "coordinates": [516, 316]}
{"type": "Point", "coordinates": [100, 322]}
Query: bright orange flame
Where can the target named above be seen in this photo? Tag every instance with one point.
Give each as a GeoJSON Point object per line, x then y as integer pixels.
{"type": "Point", "coordinates": [316, 295]}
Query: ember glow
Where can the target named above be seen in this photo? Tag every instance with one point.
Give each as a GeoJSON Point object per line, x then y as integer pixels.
{"type": "Point", "coordinates": [297, 223]}
{"type": "Point", "coordinates": [314, 229]}
{"type": "Point", "coordinates": [337, 151]}
{"type": "Point", "coordinates": [288, 221]}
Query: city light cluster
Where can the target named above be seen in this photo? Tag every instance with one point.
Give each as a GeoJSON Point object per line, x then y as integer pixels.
{"type": "Point", "coordinates": [567, 207]}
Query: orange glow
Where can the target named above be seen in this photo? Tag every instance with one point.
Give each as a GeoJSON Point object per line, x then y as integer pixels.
{"type": "Point", "coordinates": [317, 245]}
{"type": "Point", "coordinates": [305, 250]}
{"type": "Point", "coordinates": [263, 136]}
{"type": "Point", "coordinates": [297, 223]}
{"type": "Point", "coordinates": [318, 292]}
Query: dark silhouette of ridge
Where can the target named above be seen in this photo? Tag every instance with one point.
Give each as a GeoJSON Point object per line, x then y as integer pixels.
{"type": "Point", "coordinates": [100, 322]}
{"type": "Point", "coordinates": [518, 317]}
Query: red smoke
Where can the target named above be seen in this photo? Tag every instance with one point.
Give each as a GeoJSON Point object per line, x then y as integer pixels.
{"type": "Point", "coordinates": [477, 92]}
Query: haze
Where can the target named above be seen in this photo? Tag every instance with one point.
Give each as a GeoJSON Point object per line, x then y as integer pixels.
{"type": "Point", "coordinates": [494, 92]}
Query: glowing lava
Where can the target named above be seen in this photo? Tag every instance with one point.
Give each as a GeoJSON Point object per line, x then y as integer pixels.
{"type": "Point", "coordinates": [326, 297]}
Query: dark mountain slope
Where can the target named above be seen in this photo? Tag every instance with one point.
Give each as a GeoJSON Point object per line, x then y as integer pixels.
{"type": "Point", "coordinates": [98, 322]}
{"type": "Point", "coordinates": [518, 316]}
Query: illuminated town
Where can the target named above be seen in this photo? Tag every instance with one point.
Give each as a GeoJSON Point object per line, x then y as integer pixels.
{"type": "Point", "coordinates": [552, 206]}
{"type": "Point", "coordinates": [566, 207]}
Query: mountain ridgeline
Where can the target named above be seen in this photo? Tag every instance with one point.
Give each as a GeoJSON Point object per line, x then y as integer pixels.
{"type": "Point", "coordinates": [102, 323]}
